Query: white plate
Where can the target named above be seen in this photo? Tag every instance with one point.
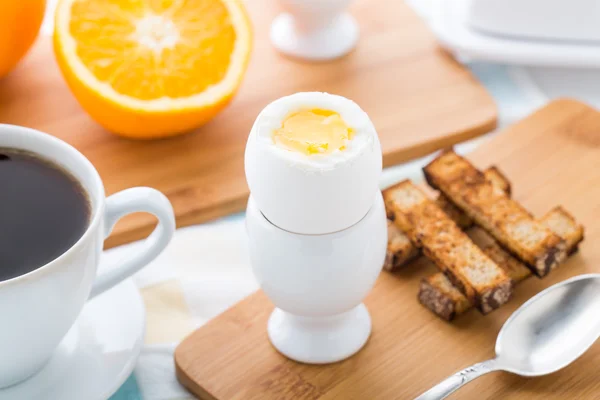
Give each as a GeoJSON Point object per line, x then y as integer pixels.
{"type": "Point", "coordinates": [97, 355]}
{"type": "Point", "coordinates": [449, 23]}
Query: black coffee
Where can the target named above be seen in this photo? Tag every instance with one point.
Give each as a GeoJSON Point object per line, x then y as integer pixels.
{"type": "Point", "coordinates": [43, 212]}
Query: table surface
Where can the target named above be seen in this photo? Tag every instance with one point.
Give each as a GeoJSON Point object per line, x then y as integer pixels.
{"type": "Point", "coordinates": [205, 270]}
{"type": "Point", "coordinates": [396, 66]}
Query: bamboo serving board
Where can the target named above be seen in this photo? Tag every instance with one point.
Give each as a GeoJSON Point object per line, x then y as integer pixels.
{"type": "Point", "coordinates": [418, 98]}
{"type": "Point", "coordinates": [552, 157]}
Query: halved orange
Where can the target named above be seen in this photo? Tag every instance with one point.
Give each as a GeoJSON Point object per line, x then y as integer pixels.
{"type": "Point", "coordinates": [152, 68]}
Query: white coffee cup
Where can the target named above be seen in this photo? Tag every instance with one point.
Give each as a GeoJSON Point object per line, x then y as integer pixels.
{"type": "Point", "coordinates": [38, 308]}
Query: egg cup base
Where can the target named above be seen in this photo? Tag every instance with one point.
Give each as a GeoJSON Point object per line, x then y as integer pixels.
{"type": "Point", "coordinates": [319, 340]}
{"type": "Point", "coordinates": [332, 41]}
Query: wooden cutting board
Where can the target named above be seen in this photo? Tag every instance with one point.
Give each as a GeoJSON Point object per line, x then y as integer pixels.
{"type": "Point", "coordinates": [418, 98]}
{"type": "Point", "coordinates": [552, 157]}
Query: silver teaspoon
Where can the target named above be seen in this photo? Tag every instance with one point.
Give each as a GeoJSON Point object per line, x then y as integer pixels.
{"type": "Point", "coordinates": [545, 334]}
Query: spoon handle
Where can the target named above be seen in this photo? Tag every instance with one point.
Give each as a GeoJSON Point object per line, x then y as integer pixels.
{"type": "Point", "coordinates": [454, 382]}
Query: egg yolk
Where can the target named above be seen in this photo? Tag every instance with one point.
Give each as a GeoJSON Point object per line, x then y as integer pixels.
{"type": "Point", "coordinates": [313, 132]}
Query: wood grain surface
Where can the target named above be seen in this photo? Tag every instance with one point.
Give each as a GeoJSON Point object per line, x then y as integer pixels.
{"type": "Point", "coordinates": [552, 157]}
{"type": "Point", "coordinates": [418, 98]}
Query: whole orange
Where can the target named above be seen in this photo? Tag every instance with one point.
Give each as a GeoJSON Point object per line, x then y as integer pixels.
{"type": "Point", "coordinates": [20, 22]}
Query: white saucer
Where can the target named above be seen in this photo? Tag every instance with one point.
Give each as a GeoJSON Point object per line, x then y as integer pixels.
{"type": "Point", "coordinates": [449, 23]}
{"type": "Point", "coordinates": [97, 355]}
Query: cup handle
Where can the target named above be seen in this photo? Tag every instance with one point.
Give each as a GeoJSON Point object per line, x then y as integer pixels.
{"type": "Point", "coordinates": [141, 199]}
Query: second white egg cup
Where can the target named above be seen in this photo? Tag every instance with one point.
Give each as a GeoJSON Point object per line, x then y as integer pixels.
{"type": "Point", "coordinates": [318, 283]}
{"type": "Point", "coordinates": [315, 29]}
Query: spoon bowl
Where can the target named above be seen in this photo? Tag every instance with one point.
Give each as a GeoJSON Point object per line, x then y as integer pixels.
{"type": "Point", "coordinates": [545, 334]}
{"type": "Point", "coordinates": [552, 329]}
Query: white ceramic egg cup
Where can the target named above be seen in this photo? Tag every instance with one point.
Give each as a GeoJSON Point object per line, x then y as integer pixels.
{"type": "Point", "coordinates": [315, 30]}
{"type": "Point", "coordinates": [317, 283]}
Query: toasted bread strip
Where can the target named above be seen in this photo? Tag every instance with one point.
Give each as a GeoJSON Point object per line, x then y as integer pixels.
{"type": "Point", "coordinates": [503, 218]}
{"type": "Point", "coordinates": [460, 218]}
{"type": "Point", "coordinates": [437, 293]}
{"type": "Point", "coordinates": [517, 271]}
{"type": "Point", "coordinates": [498, 179]}
{"type": "Point", "coordinates": [561, 222]}
{"type": "Point", "coordinates": [483, 282]}
{"type": "Point", "coordinates": [400, 250]}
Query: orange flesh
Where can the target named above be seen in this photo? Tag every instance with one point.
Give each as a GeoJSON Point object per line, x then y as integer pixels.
{"type": "Point", "coordinates": [154, 49]}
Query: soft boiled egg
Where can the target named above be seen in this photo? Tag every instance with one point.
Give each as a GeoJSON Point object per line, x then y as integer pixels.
{"type": "Point", "coordinates": [313, 162]}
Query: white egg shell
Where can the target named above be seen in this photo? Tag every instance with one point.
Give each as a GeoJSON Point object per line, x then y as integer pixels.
{"type": "Point", "coordinates": [319, 193]}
